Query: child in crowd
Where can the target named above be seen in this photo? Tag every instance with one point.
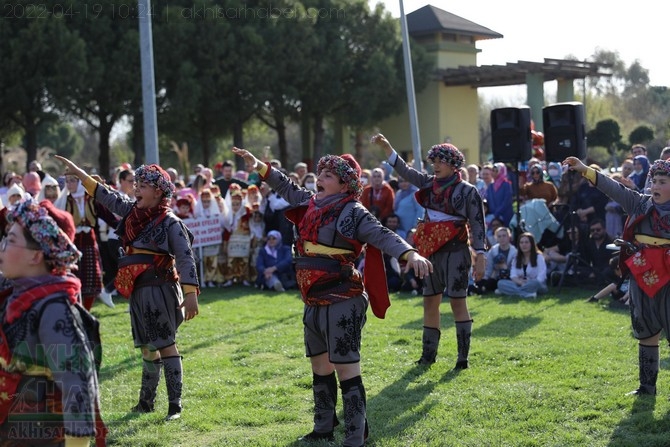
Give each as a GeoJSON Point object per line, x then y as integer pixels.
{"type": "Point", "coordinates": [618, 289]}
{"type": "Point", "coordinates": [185, 207]}
{"type": "Point", "coordinates": [207, 208]}
{"type": "Point", "coordinates": [499, 260]}
{"type": "Point", "coordinates": [237, 239]}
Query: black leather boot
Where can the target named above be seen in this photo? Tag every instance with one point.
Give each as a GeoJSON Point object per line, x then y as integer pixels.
{"type": "Point", "coordinates": [463, 334]}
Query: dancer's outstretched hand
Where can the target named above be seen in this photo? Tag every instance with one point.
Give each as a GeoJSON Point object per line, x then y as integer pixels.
{"type": "Point", "coordinates": [381, 141]}
{"type": "Point", "coordinates": [71, 168]}
{"type": "Point", "coordinates": [575, 164]}
{"type": "Point", "coordinates": [250, 159]}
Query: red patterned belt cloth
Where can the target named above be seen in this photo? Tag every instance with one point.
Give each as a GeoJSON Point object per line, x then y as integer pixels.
{"type": "Point", "coordinates": [133, 266]}
{"type": "Point", "coordinates": [651, 268]}
{"type": "Point", "coordinates": [324, 281]}
{"type": "Point", "coordinates": [431, 236]}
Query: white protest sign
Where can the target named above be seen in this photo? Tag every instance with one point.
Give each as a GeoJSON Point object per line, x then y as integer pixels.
{"type": "Point", "coordinates": [206, 230]}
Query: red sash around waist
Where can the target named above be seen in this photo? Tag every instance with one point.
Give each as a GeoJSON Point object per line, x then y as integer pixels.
{"type": "Point", "coordinates": [431, 236]}
{"type": "Point", "coordinates": [651, 269]}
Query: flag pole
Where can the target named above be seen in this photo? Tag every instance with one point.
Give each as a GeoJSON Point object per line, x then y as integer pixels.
{"type": "Point", "coordinates": [411, 96]}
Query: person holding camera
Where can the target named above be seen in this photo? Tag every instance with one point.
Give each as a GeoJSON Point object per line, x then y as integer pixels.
{"type": "Point", "coordinates": [498, 261]}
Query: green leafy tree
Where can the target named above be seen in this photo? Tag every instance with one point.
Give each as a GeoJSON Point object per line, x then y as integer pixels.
{"type": "Point", "coordinates": [378, 61]}
{"type": "Point", "coordinates": [113, 76]}
{"type": "Point", "coordinates": [63, 137]}
{"type": "Point", "coordinates": [641, 135]}
{"type": "Point", "coordinates": [606, 134]}
{"type": "Point", "coordinates": [361, 77]}
{"type": "Point", "coordinates": [245, 92]}
{"type": "Point", "coordinates": [208, 69]}
{"type": "Point", "coordinates": [289, 39]}
{"type": "Point", "coordinates": [329, 64]}
{"type": "Point", "coordinates": [613, 85]}
{"type": "Point", "coordinates": [187, 49]}
{"type": "Point", "coordinates": [43, 62]}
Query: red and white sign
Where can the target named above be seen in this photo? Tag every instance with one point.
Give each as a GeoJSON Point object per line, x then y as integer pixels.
{"type": "Point", "coordinates": [207, 231]}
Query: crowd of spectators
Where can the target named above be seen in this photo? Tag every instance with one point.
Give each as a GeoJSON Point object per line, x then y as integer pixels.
{"type": "Point", "coordinates": [257, 239]}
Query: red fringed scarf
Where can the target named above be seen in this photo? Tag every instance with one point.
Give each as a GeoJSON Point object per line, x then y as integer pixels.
{"type": "Point", "coordinates": [68, 284]}
{"type": "Point", "coordinates": [315, 218]}
{"type": "Point", "coordinates": [138, 218]}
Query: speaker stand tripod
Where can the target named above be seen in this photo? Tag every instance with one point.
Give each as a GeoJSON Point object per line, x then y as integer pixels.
{"type": "Point", "coordinates": [573, 258]}
{"type": "Point", "coordinates": [572, 261]}
{"type": "Point", "coordinates": [520, 224]}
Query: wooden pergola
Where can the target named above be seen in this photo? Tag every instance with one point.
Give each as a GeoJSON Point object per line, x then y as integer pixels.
{"type": "Point", "coordinates": [517, 73]}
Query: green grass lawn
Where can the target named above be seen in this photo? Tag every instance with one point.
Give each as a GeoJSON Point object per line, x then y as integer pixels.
{"type": "Point", "coordinates": [547, 372]}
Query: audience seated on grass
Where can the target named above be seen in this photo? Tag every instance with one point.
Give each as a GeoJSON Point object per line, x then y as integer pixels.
{"type": "Point", "coordinates": [529, 272]}
{"type": "Point", "coordinates": [499, 260]}
{"type": "Point", "coordinates": [274, 264]}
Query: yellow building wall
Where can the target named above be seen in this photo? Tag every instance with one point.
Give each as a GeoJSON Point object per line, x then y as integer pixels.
{"type": "Point", "coordinates": [460, 120]}
{"type": "Point", "coordinates": [445, 114]}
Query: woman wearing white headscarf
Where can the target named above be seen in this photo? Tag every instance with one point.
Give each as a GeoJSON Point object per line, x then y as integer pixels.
{"type": "Point", "coordinates": [50, 189]}
{"type": "Point", "coordinates": [207, 208]}
{"type": "Point", "coordinates": [85, 212]}
{"type": "Point", "coordinates": [274, 262]}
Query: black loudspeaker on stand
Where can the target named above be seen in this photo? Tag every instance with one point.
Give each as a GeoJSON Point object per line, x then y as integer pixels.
{"type": "Point", "coordinates": [510, 134]}
{"type": "Point", "coordinates": [511, 142]}
{"type": "Point", "coordinates": [564, 131]}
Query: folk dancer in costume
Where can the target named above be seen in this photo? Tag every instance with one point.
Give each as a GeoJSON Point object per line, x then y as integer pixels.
{"type": "Point", "coordinates": [158, 274]}
{"type": "Point", "coordinates": [237, 268]}
{"type": "Point", "coordinates": [647, 258]}
{"type": "Point", "coordinates": [452, 207]}
{"type": "Point", "coordinates": [207, 208]}
{"type": "Point", "coordinates": [333, 227]}
{"type": "Point", "coordinates": [49, 393]}
{"type": "Point", "coordinates": [85, 213]}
